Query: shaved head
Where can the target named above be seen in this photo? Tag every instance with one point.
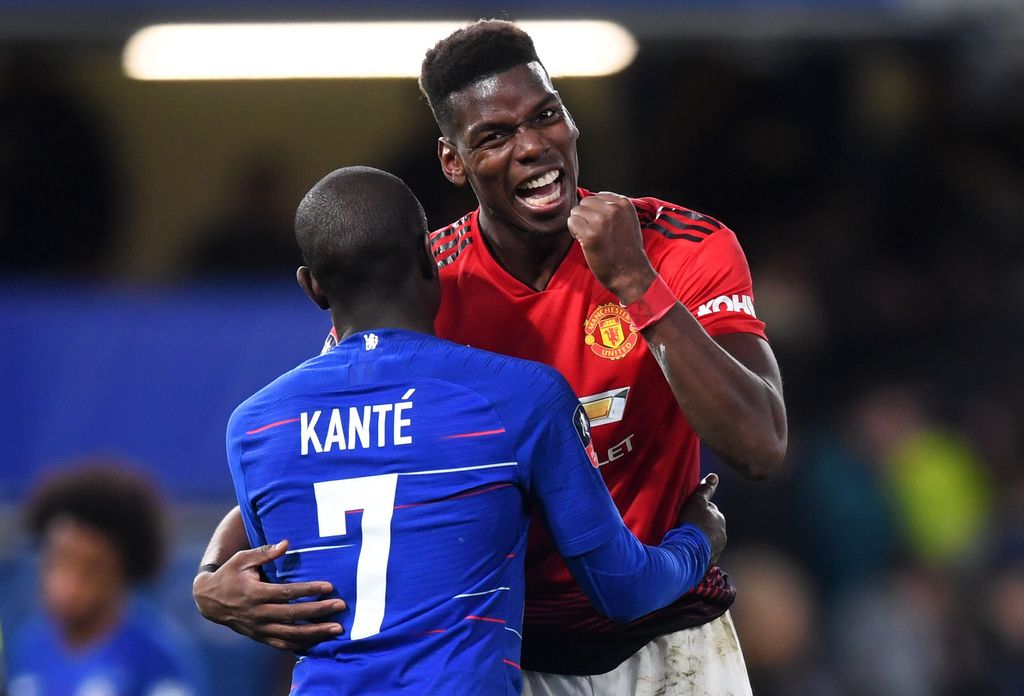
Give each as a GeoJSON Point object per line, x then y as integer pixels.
{"type": "Point", "coordinates": [361, 231]}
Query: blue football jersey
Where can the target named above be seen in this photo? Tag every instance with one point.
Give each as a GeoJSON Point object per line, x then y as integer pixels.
{"type": "Point", "coordinates": [142, 656]}
{"type": "Point", "coordinates": [402, 468]}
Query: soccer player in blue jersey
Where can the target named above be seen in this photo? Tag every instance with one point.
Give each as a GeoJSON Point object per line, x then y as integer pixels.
{"type": "Point", "coordinates": [402, 468]}
{"type": "Point", "coordinates": [99, 529]}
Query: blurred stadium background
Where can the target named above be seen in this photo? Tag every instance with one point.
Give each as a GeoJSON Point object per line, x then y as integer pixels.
{"type": "Point", "coordinates": [868, 153]}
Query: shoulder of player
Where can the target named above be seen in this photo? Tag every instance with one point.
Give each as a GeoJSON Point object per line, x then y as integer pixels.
{"type": "Point", "coordinates": [282, 387]}
{"type": "Point", "coordinates": [675, 232]}
{"type": "Point", "coordinates": [503, 378]}
{"type": "Point", "coordinates": [665, 222]}
{"type": "Point", "coordinates": [448, 243]}
{"type": "Point", "coordinates": [504, 367]}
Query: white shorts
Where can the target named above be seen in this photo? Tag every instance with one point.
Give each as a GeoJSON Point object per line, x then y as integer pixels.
{"type": "Point", "coordinates": [700, 661]}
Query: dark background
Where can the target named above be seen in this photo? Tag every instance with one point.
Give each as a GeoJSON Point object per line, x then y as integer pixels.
{"type": "Point", "coordinates": [870, 157]}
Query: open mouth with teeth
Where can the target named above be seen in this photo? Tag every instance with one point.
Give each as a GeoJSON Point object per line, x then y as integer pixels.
{"type": "Point", "coordinates": [541, 191]}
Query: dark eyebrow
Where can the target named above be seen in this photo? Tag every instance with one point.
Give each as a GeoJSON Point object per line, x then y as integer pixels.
{"type": "Point", "coordinates": [487, 127]}
{"type": "Point", "coordinates": [549, 100]}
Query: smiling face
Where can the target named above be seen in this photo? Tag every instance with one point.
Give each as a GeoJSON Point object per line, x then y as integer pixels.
{"type": "Point", "coordinates": [515, 144]}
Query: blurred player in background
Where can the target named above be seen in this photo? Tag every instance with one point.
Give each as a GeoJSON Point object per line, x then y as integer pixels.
{"type": "Point", "coordinates": [646, 308]}
{"type": "Point", "coordinates": [401, 467]}
{"type": "Point", "coordinates": [100, 532]}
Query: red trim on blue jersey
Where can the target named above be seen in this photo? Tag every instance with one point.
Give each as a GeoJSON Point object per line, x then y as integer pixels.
{"type": "Point", "coordinates": [495, 487]}
{"type": "Point", "coordinates": [487, 618]}
{"type": "Point", "coordinates": [476, 434]}
{"type": "Point", "coordinates": [271, 425]}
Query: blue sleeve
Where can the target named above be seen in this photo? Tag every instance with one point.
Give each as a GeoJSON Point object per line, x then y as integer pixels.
{"type": "Point", "coordinates": [623, 578]}
{"type": "Point", "coordinates": [563, 479]}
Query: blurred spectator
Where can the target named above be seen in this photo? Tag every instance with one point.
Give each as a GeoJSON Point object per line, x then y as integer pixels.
{"type": "Point", "coordinates": [891, 637]}
{"type": "Point", "coordinates": [777, 614]}
{"type": "Point", "coordinates": [57, 197]}
{"type": "Point", "coordinates": [998, 659]}
{"type": "Point", "coordinates": [939, 488]}
{"type": "Point", "coordinates": [1004, 620]}
{"type": "Point", "coordinates": [851, 538]}
{"type": "Point", "coordinates": [100, 532]}
{"type": "Point", "coordinates": [898, 511]}
{"type": "Point", "coordinates": [255, 233]}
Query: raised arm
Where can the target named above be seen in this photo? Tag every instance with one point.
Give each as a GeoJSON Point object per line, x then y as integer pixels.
{"type": "Point", "coordinates": [229, 590]}
{"type": "Point", "coordinates": [728, 387]}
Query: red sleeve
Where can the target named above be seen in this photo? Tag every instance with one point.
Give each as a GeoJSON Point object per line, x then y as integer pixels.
{"type": "Point", "coordinates": [711, 277]}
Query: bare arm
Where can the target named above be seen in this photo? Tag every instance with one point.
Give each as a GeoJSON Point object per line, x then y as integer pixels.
{"type": "Point", "coordinates": [228, 538]}
{"type": "Point", "coordinates": [729, 388]}
{"type": "Point", "coordinates": [235, 594]}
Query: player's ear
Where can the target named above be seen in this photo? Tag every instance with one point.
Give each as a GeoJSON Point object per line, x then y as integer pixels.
{"type": "Point", "coordinates": [451, 163]}
{"type": "Point", "coordinates": [312, 289]}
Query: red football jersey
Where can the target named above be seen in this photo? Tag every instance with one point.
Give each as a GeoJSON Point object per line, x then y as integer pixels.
{"type": "Point", "coordinates": [648, 453]}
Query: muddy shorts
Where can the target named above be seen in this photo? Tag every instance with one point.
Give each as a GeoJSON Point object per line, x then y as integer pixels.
{"type": "Point", "coordinates": [701, 661]}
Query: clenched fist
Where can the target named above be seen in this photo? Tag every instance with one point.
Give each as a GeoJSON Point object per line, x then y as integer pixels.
{"type": "Point", "coordinates": [607, 228]}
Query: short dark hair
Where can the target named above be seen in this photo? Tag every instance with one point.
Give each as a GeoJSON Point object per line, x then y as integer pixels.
{"type": "Point", "coordinates": [481, 49]}
{"type": "Point", "coordinates": [360, 230]}
{"type": "Point", "coordinates": [119, 504]}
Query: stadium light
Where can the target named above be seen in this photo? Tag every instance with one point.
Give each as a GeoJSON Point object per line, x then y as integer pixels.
{"type": "Point", "coordinates": [281, 51]}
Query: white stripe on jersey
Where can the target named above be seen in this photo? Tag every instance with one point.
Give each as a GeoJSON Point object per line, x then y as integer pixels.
{"type": "Point", "coordinates": [317, 548]}
{"type": "Point", "coordinates": [477, 594]}
{"type": "Point", "coordinates": [461, 468]}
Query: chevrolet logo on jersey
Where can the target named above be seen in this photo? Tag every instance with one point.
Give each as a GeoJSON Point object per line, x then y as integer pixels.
{"type": "Point", "coordinates": [606, 407]}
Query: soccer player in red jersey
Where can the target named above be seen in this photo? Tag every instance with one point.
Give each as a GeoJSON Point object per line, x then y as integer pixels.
{"type": "Point", "coordinates": [645, 307]}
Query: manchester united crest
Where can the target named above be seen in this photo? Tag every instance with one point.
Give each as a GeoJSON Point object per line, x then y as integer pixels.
{"type": "Point", "coordinates": [610, 331]}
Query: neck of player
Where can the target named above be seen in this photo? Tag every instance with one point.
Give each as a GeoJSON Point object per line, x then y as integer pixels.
{"type": "Point", "coordinates": [530, 257]}
{"type": "Point", "coordinates": [411, 314]}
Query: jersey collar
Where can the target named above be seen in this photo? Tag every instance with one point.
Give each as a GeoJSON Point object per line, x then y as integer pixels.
{"type": "Point", "coordinates": [569, 264]}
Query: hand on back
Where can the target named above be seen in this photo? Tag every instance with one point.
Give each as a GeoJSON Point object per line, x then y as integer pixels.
{"type": "Point", "coordinates": [237, 596]}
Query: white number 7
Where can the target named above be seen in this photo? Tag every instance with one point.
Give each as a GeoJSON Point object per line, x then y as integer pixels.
{"type": "Point", "coordinates": [375, 496]}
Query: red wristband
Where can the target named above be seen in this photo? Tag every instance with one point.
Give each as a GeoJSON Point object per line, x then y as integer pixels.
{"type": "Point", "coordinates": [654, 304]}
